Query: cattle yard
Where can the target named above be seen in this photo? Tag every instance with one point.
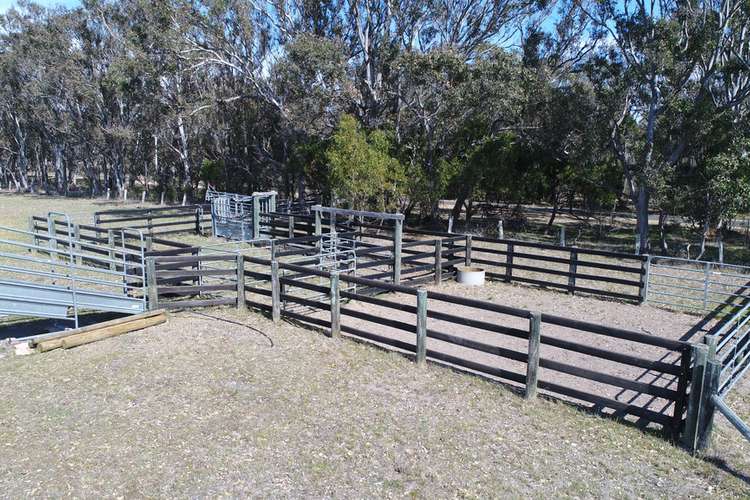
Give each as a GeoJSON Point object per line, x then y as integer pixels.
{"type": "Point", "coordinates": [580, 325]}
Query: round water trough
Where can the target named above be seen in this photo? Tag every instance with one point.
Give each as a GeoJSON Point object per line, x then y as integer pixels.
{"type": "Point", "coordinates": [473, 276]}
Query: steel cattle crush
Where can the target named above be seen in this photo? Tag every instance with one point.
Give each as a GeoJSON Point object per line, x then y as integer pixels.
{"type": "Point", "coordinates": [240, 217]}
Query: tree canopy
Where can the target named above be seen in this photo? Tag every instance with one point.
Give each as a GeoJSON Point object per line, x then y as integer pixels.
{"type": "Point", "coordinates": [386, 103]}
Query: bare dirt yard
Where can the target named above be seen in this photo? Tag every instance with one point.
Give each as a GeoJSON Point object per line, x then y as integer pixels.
{"type": "Point", "coordinates": [201, 407]}
{"type": "Point", "coordinates": [643, 319]}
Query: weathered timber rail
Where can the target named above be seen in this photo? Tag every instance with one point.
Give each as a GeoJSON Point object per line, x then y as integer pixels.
{"type": "Point", "coordinates": [429, 342]}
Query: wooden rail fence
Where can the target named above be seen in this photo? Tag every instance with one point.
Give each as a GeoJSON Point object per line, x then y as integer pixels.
{"type": "Point", "coordinates": [430, 307]}
{"type": "Point", "coordinates": [158, 220]}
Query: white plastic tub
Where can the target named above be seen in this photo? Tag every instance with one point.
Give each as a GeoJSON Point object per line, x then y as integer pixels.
{"type": "Point", "coordinates": [472, 276]}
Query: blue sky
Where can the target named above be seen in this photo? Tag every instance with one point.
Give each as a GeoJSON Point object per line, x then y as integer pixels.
{"type": "Point", "coordinates": [7, 4]}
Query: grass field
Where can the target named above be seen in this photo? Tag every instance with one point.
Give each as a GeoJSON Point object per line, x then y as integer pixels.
{"type": "Point", "coordinates": [205, 406]}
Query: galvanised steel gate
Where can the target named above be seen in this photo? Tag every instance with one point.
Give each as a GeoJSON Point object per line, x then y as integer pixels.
{"type": "Point", "coordinates": [55, 275]}
{"type": "Point", "coordinates": [696, 285]}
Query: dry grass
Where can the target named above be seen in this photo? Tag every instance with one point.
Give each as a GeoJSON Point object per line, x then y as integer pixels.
{"type": "Point", "coordinates": [200, 407]}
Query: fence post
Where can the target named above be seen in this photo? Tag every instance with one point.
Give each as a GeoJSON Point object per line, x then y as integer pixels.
{"type": "Point", "coordinates": [467, 257]}
{"type": "Point", "coordinates": [318, 223]}
{"type": "Point", "coordinates": [275, 292]}
{"type": "Point", "coordinates": [645, 278]}
{"type": "Point", "coordinates": [291, 226]}
{"type": "Point", "coordinates": [712, 342]}
{"type": "Point", "coordinates": [450, 224]}
{"type": "Point", "coordinates": [77, 243]}
{"type": "Point", "coordinates": [682, 386]}
{"type": "Point", "coordinates": [256, 217]}
{"type": "Point", "coordinates": [690, 434]}
{"type": "Point", "coordinates": [111, 244]}
{"type": "Point", "coordinates": [500, 232]}
{"type": "Point", "coordinates": [562, 236]}
{"type": "Point", "coordinates": [509, 263]}
{"type": "Point", "coordinates": [335, 306]}
{"type": "Point", "coordinates": [161, 200]}
{"type": "Point", "coordinates": [572, 271]}
{"type": "Point", "coordinates": [32, 230]}
{"type": "Point", "coordinates": [532, 365]}
{"type": "Point", "coordinates": [397, 252]}
{"type": "Point", "coordinates": [197, 221]}
{"type": "Point", "coordinates": [241, 304]}
{"type": "Point", "coordinates": [421, 325]}
{"type": "Point", "coordinates": [708, 408]}
{"type": "Point", "coordinates": [438, 261]}
{"type": "Point", "coordinates": [151, 291]}
{"type": "Point", "coordinates": [706, 283]}
{"type": "Point", "coordinates": [52, 232]}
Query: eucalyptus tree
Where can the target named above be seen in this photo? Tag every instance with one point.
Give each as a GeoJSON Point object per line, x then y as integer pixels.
{"type": "Point", "coordinates": [666, 69]}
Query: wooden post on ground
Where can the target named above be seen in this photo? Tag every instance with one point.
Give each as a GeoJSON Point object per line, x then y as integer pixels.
{"type": "Point", "coordinates": [275, 292]}
{"type": "Point", "coordinates": [397, 233]}
{"type": "Point", "coordinates": [241, 304]}
{"type": "Point", "coordinates": [467, 257]}
{"type": "Point", "coordinates": [161, 201]}
{"type": "Point", "coordinates": [335, 305]}
{"type": "Point", "coordinates": [198, 221]}
{"type": "Point", "coordinates": [509, 263]}
{"type": "Point", "coordinates": [151, 286]}
{"type": "Point", "coordinates": [438, 261]}
{"type": "Point", "coordinates": [697, 398]}
{"type": "Point", "coordinates": [291, 226]}
{"type": "Point", "coordinates": [562, 236]}
{"type": "Point", "coordinates": [500, 231]}
{"type": "Point", "coordinates": [532, 366]}
{"type": "Point", "coordinates": [572, 270]}
{"type": "Point", "coordinates": [421, 350]}
{"type": "Point", "coordinates": [143, 197]}
{"type": "Point", "coordinates": [450, 224]}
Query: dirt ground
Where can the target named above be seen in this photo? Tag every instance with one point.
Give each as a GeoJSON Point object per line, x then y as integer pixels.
{"type": "Point", "coordinates": [201, 407]}
{"type": "Point", "coordinates": [644, 319]}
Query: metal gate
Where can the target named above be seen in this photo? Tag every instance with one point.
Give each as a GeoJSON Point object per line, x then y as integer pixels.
{"type": "Point", "coordinates": [696, 285]}
{"type": "Point", "coordinates": [56, 274]}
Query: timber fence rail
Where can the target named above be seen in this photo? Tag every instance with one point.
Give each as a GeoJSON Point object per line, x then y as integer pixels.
{"type": "Point", "coordinates": [157, 220]}
{"type": "Point", "coordinates": [190, 281]}
{"type": "Point", "coordinates": [428, 330]}
{"type": "Point", "coordinates": [571, 269]}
